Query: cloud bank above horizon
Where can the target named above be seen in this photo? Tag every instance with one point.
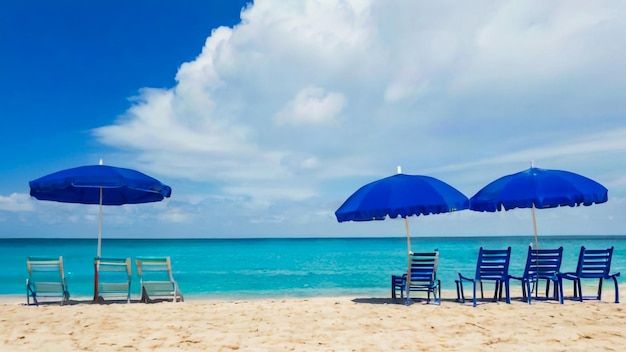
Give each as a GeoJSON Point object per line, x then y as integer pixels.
{"type": "Point", "coordinates": [283, 116]}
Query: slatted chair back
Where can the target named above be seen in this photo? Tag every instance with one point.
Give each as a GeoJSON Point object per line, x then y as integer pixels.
{"type": "Point", "coordinates": [543, 263]}
{"type": "Point", "coordinates": [493, 264]}
{"type": "Point", "coordinates": [154, 268]}
{"type": "Point", "coordinates": [594, 263]}
{"type": "Point", "coordinates": [424, 268]}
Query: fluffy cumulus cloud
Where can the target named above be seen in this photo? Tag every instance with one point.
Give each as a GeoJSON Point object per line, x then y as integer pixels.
{"type": "Point", "coordinates": [283, 115]}
{"type": "Point", "coordinates": [311, 105]}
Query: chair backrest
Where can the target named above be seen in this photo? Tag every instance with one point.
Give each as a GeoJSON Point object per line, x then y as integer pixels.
{"type": "Point", "coordinates": [493, 264]}
{"type": "Point", "coordinates": [114, 270]}
{"type": "Point", "coordinates": [45, 269]}
{"type": "Point", "coordinates": [543, 262]}
{"type": "Point", "coordinates": [46, 276]}
{"type": "Point", "coordinates": [154, 268]}
{"type": "Point", "coordinates": [114, 265]}
{"type": "Point", "coordinates": [594, 263]}
{"type": "Point", "coordinates": [424, 267]}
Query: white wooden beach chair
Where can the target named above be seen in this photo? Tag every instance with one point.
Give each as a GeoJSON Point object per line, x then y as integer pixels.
{"type": "Point", "coordinates": [114, 277]}
{"type": "Point", "coordinates": [46, 278]}
{"type": "Point", "coordinates": [156, 279]}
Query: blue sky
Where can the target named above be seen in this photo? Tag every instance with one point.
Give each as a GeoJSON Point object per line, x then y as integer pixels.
{"type": "Point", "coordinates": [265, 116]}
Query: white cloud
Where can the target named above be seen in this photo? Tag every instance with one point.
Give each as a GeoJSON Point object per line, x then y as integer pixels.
{"type": "Point", "coordinates": [16, 202]}
{"type": "Point", "coordinates": [311, 105]}
{"type": "Point", "coordinates": [304, 101]}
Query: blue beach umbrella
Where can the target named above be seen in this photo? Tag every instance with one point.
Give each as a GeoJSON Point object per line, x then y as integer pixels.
{"type": "Point", "coordinates": [401, 195]}
{"type": "Point", "coordinates": [99, 184]}
{"type": "Point", "coordinates": [538, 188]}
{"type": "Point", "coordinates": [102, 185]}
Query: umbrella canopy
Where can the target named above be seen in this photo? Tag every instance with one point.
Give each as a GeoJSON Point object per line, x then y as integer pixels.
{"type": "Point", "coordinates": [82, 185]}
{"type": "Point", "coordinates": [401, 195]}
{"type": "Point", "coordinates": [538, 188]}
{"type": "Point", "coordinates": [99, 184]}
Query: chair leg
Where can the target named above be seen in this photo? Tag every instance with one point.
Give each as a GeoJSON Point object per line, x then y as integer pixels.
{"type": "Point", "coordinates": [527, 294]}
{"type": "Point", "coordinates": [580, 290]}
{"type": "Point", "coordinates": [144, 296]}
{"type": "Point", "coordinates": [507, 290]}
{"type": "Point", "coordinates": [438, 300]}
{"type": "Point", "coordinates": [481, 289]}
{"type": "Point", "coordinates": [616, 289]}
{"type": "Point", "coordinates": [600, 290]}
{"type": "Point", "coordinates": [460, 290]}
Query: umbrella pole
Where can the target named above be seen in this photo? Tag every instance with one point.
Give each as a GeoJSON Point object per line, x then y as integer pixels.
{"type": "Point", "coordinates": [100, 226]}
{"type": "Point", "coordinates": [408, 271]}
{"type": "Point", "coordinates": [99, 252]}
{"type": "Point", "coordinates": [535, 227]}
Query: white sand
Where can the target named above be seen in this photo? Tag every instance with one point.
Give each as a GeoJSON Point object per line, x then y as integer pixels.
{"type": "Point", "coordinates": [316, 324]}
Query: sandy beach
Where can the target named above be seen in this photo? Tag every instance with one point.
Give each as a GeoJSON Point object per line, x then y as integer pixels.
{"type": "Point", "coordinates": [314, 324]}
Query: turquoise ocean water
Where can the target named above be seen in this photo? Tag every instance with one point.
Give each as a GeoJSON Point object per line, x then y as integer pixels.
{"type": "Point", "coordinates": [274, 268]}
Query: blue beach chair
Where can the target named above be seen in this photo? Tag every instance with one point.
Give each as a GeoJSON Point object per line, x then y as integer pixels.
{"type": "Point", "coordinates": [592, 264]}
{"type": "Point", "coordinates": [423, 277]}
{"type": "Point", "coordinates": [541, 264]}
{"type": "Point", "coordinates": [492, 265]}
{"type": "Point", "coordinates": [46, 278]}
{"type": "Point", "coordinates": [156, 279]}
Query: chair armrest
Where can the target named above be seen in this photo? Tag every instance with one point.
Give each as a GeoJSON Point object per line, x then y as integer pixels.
{"type": "Point", "coordinates": [520, 278]}
{"type": "Point", "coordinates": [461, 277]}
{"type": "Point", "coordinates": [568, 276]}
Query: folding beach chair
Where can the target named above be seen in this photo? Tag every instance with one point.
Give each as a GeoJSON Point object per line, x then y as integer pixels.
{"type": "Point", "coordinates": [46, 278]}
{"type": "Point", "coordinates": [114, 277]}
{"type": "Point", "coordinates": [156, 279]}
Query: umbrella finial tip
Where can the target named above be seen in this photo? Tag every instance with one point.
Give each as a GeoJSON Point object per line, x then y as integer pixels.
{"type": "Point", "coordinates": [398, 169]}
{"type": "Point", "coordinates": [100, 163]}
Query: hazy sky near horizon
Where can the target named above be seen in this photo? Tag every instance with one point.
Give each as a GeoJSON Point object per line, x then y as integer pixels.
{"type": "Point", "coordinates": [265, 116]}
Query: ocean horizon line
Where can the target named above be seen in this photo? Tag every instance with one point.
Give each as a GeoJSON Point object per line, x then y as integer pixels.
{"type": "Point", "coordinates": [317, 237]}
